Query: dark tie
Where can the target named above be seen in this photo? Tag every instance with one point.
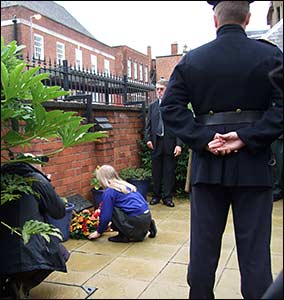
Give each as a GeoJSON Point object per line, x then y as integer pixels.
{"type": "Point", "coordinates": [160, 129]}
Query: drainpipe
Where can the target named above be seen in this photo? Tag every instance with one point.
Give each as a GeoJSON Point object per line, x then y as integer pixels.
{"type": "Point", "coordinates": [15, 29]}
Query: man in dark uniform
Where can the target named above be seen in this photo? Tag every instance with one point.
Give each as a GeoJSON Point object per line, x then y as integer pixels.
{"type": "Point", "coordinates": [165, 150]}
{"type": "Point", "coordinates": [238, 114]}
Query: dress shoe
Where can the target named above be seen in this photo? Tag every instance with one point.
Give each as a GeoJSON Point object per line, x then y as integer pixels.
{"type": "Point", "coordinates": [118, 238]}
{"type": "Point", "coordinates": [169, 203]}
{"type": "Point", "coordinates": [154, 201]}
{"type": "Point", "coordinates": [152, 229]}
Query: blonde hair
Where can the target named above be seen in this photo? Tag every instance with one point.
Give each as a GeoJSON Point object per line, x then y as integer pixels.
{"type": "Point", "coordinates": [108, 178]}
{"type": "Point", "coordinates": [232, 12]}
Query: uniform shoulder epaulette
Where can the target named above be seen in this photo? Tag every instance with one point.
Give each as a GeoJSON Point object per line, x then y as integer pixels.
{"type": "Point", "coordinates": [267, 42]}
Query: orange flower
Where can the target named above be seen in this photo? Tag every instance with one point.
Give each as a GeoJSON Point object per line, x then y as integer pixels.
{"type": "Point", "coordinates": [84, 223]}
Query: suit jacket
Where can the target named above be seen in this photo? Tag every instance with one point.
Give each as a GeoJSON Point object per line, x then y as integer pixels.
{"type": "Point", "coordinates": [152, 126]}
{"type": "Point", "coordinates": [226, 74]}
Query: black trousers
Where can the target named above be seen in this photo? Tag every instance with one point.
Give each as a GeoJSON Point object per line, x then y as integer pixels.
{"type": "Point", "coordinates": [133, 227]}
{"type": "Point", "coordinates": [252, 210]}
{"type": "Point", "coordinates": [163, 170]}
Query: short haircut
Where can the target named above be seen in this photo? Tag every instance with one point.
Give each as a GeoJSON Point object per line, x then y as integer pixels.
{"type": "Point", "coordinates": [162, 82]}
{"type": "Point", "coordinates": [231, 12]}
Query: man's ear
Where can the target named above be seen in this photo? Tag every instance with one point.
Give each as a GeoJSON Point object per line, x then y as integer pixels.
{"type": "Point", "coordinates": [247, 19]}
{"type": "Point", "coordinates": [216, 23]}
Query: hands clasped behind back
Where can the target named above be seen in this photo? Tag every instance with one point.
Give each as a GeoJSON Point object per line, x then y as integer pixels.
{"type": "Point", "coordinates": [223, 144]}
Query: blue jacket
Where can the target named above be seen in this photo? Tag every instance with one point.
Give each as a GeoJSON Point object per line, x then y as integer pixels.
{"type": "Point", "coordinates": [133, 204]}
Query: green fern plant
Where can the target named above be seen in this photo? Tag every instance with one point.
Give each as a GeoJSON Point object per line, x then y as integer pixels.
{"type": "Point", "coordinates": [24, 118]}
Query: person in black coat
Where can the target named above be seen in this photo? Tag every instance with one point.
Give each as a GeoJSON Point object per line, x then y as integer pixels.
{"type": "Point", "coordinates": [165, 150]}
{"type": "Point", "coordinates": [25, 266]}
{"type": "Point", "coordinates": [238, 114]}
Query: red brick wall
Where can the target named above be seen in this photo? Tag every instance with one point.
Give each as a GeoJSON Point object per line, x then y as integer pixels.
{"type": "Point", "coordinates": [165, 65]}
{"type": "Point", "coordinates": [72, 169]}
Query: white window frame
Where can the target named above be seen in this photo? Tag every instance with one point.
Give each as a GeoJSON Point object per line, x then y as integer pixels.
{"type": "Point", "coordinates": [78, 58]}
{"type": "Point", "coordinates": [135, 71]}
{"type": "Point", "coordinates": [94, 63]}
{"type": "Point", "coordinates": [146, 74]}
{"type": "Point", "coordinates": [107, 66]}
{"type": "Point", "coordinates": [60, 52]}
{"type": "Point", "coordinates": [141, 72]}
{"type": "Point", "coordinates": [38, 46]}
{"type": "Point", "coordinates": [129, 73]}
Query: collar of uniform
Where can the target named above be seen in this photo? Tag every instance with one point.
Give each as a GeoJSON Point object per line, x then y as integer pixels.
{"type": "Point", "coordinates": [229, 28]}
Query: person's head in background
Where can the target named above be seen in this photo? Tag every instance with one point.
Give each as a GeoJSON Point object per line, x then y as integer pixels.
{"type": "Point", "coordinates": [38, 166]}
{"type": "Point", "coordinates": [231, 12]}
{"type": "Point", "coordinates": [108, 178]}
{"type": "Point", "coordinates": [161, 87]}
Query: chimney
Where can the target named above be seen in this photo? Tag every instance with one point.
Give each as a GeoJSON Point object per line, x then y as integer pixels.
{"type": "Point", "coordinates": [174, 48]}
{"type": "Point", "coordinates": [149, 52]}
{"type": "Point", "coordinates": [149, 55]}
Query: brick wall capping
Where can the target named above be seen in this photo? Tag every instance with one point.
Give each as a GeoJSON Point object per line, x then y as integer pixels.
{"type": "Point", "coordinates": [98, 107]}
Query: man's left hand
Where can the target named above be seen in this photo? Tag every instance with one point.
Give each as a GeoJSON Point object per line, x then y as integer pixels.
{"type": "Point", "coordinates": [177, 150]}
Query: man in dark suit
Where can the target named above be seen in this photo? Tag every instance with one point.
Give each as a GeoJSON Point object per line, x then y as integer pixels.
{"type": "Point", "coordinates": [238, 114]}
{"type": "Point", "coordinates": [165, 150]}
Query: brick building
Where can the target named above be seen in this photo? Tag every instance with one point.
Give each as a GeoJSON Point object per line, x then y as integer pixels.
{"type": "Point", "coordinates": [163, 66]}
{"type": "Point", "coordinates": [50, 32]}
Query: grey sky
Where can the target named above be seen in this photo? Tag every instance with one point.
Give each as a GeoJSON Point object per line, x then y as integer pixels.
{"type": "Point", "coordinates": [158, 24]}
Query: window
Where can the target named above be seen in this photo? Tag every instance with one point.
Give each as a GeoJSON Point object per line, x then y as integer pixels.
{"type": "Point", "coordinates": [38, 47]}
{"type": "Point", "coordinates": [60, 52]}
{"type": "Point", "coordinates": [107, 66]}
{"type": "Point", "coordinates": [78, 58]}
{"type": "Point", "coordinates": [129, 68]}
{"type": "Point", "coordinates": [141, 72]}
{"type": "Point", "coordinates": [278, 13]}
{"type": "Point", "coordinates": [135, 70]}
{"type": "Point", "coordinates": [94, 63]}
{"type": "Point", "coordinates": [146, 74]}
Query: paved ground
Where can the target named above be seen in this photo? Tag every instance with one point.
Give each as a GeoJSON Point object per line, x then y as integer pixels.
{"type": "Point", "coordinates": [153, 269]}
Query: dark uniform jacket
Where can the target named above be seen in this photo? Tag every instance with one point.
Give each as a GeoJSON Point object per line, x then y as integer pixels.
{"type": "Point", "coordinates": [151, 130]}
{"type": "Point", "coordinates": [37, 254]}
{"type": "Point", "coordinates": [227, 74]}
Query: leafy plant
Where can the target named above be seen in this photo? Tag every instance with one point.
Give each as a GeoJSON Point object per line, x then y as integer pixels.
{"type": "Point", "coordinates": [135, 173]}
{"type": "Point", "coordinates": [145, 155]}
{"type": "Point", "coordinates": [95, 182]}
{"type": "Point", "coordinates": [24, 118]}
{"type": "Point", "coordinates": [35, 227]}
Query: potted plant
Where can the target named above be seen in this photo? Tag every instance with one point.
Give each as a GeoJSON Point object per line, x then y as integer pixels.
{"type": "Point", "coordinates": [139, 177]}
{"type": "Point", "coordinates": [64, 223]}
{"type": "Point", "coordinates": [96, 190]}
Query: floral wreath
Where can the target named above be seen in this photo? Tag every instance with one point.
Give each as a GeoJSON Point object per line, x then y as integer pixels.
{"type": "Point", "coordinates": [84, 223]}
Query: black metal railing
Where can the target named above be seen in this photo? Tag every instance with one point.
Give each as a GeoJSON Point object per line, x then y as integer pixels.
{"type": "Point", "coordinates": [103, 88]}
